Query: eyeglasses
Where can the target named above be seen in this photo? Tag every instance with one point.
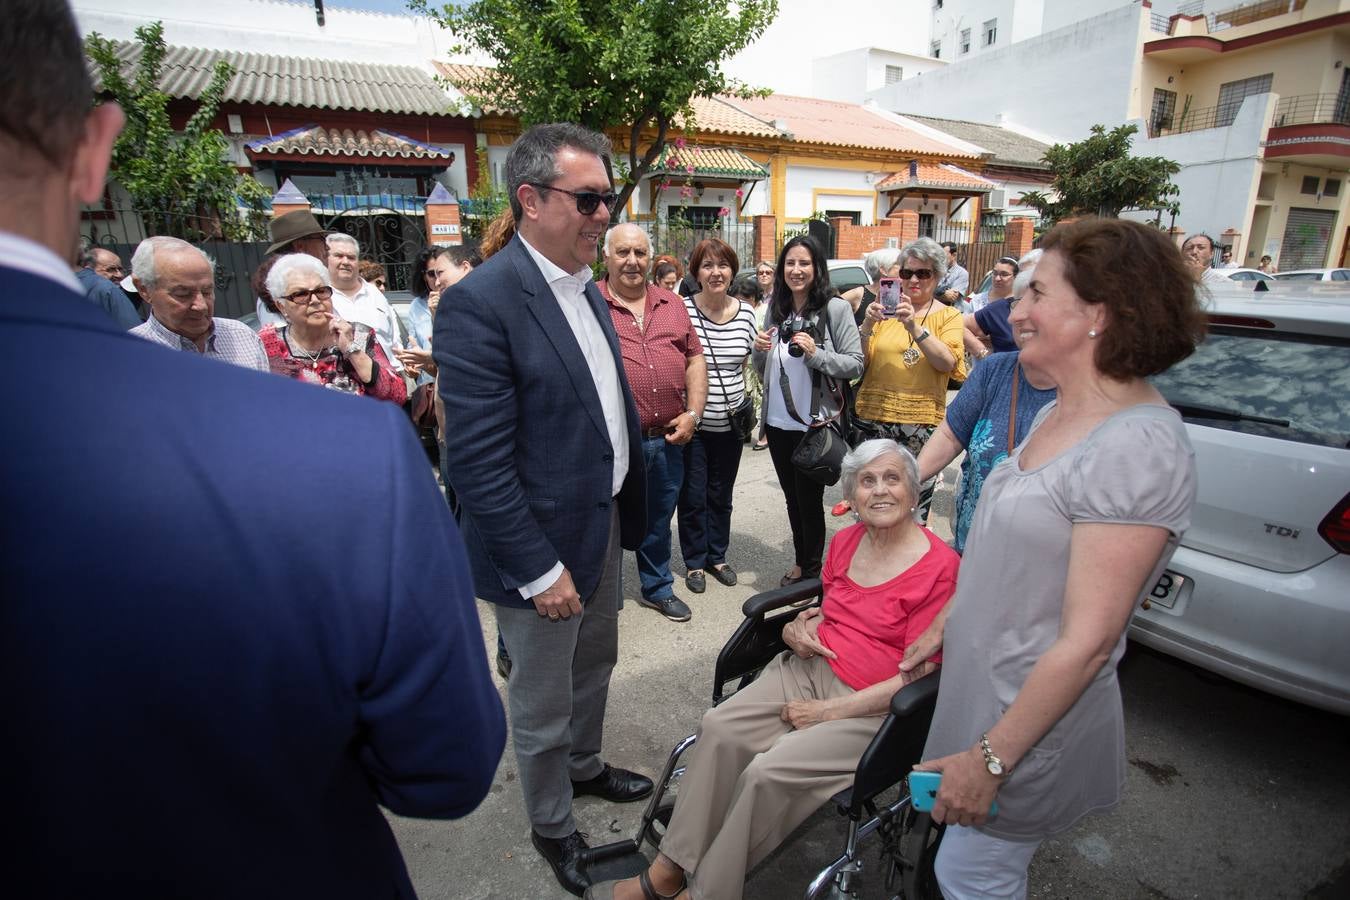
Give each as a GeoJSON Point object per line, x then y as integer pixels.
{"type": "Point", "coordinates": [303, 298]}
{"type": "Point", "coordinates": [379, 283]}
{"type": "Point", "coordinates": [921, 274]}
{"type": "Point", "coordinates": [587, 201]}
{"type": "Point", "coordinates": [998, 274]}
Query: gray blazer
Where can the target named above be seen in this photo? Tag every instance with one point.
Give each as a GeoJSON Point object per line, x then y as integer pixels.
{"type": "Point", "coordinates": [839, 356]}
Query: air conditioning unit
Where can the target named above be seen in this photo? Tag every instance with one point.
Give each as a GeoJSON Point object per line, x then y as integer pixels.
{"type": "Point", "coordinates": [997, 200]}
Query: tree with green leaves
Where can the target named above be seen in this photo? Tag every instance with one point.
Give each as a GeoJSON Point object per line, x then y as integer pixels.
{"type": "Point", "coordinates": [1098, 176]}
{"type": "Point", "coordinates": [182, 184]}
{"type": "Point", "coordinates": [605, 64]}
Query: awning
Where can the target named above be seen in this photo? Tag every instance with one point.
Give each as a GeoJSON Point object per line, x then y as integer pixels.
{"type": "Point", "coordinates": [311, 141]}
{"type": "Point", "coordinates": [707, 162]}
{"type": "Point", "coordinates": [367, 204]}
{"type": "Point", "coordinates": [939, 178]}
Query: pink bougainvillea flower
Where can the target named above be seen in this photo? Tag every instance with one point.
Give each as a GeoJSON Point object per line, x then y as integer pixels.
{"type": "Point", "coordinates": [679, 142]}
{"type": "Point", "coordinates": [689, 168]}
{"type": "Point", "coordinates": [740, 192]}
{"type": "Point", "coordinates": [723, 212]}
{"type": "Point", "coordinates": [686, 192]}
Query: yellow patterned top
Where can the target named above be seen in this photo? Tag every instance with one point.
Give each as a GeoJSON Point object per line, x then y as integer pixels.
{"type": "Point", "coordinates": [913, 393]}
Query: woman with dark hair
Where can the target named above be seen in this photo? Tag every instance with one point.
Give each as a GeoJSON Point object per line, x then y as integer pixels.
{"type": "Point", "coordinates": [987, 328]}
{"type": "Point", "coordinates": [805, 356]}
{"type": "Point", "coordinates": [268, 313]}
{"type": "Point", "coordinates": [1070, 531]}
{"type": "Point", "coordinates": [664, 274]}
{"type": "Point", "coordinates": [726, 328]}
{"type": "Point", "coordinates": [911, 347]}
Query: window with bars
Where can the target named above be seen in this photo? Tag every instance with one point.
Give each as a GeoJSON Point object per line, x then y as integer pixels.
{"type": "Point", "coordinates": [1233, 93]}
{"type": "Point", "coordinates": [894, 74]}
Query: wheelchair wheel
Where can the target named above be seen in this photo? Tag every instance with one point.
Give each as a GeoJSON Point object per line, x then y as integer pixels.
{"type": "Point", "coordinates": [921, 842]}
{"type": "Point", "coordinates": [656, 830]}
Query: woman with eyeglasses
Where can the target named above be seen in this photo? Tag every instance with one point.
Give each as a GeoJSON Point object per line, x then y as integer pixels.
{"type": "Point", "coordinates": [910, 350]}
{"type": "Point", "coordinates": [315, 345]}
{"type": "Point", "coordinates": [987, 327]}
{"type": "Point", "coordinates": [806, 355]}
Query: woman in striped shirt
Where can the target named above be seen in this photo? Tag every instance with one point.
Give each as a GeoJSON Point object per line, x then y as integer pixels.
{"type": "Point", "coordinates": [726, 327]}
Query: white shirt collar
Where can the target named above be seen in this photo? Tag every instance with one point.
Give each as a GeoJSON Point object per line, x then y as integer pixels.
{"type": "Point", "coordinates": [553, 272]}
{"type": "Point", "coordinates": [19, 252]}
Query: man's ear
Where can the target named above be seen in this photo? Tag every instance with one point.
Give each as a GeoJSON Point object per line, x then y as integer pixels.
{"type": "Point", "coordinates": [89, 168]}
{"type": "Point", "coordinates": [529, 197]}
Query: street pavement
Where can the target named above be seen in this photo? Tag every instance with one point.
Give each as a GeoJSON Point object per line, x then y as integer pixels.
{"type": "Point", "coordinates": [1231, 793]}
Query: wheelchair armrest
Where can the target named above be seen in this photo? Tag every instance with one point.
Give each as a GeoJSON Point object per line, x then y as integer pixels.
{"type": "Point", "coordinates": [768, 601]}
{"type": "Point", "coordinates": [917, 697]}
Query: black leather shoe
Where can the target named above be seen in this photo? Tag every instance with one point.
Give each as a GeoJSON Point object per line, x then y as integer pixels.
{"type": "Point", "coordinates": [503, 665]}
{"type": "Point", "coordinates": [614, 785]}
{"type": "Point", "coordinates": [672, 607]}
{"type": "Point", "coordinates": [566, 857]}
{"type": "Point", "coordinates": [696, 582]}
{"type": "Point", "coordinates": [725, 574]}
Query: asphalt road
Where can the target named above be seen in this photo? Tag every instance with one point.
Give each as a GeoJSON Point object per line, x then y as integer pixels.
{"type": "Point", "coordinates": [1231, 793]}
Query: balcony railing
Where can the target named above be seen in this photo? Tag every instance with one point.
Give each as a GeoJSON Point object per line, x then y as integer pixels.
{"type": "Point", "coordinates": [1160, 23]}
{"type": "Point", "coordinates": [1310, 109]}
{"type": "Point", "coordinates": [1220, 116]}
{"type": "Point", "coordinates": [1251, 12]}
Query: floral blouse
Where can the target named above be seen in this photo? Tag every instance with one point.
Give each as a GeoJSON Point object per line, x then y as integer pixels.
{"type": "Point", "coordinates": [331, 369]}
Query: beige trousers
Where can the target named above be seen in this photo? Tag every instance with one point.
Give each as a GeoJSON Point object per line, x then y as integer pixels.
{"type": "Point", "coordinates": [751, 779]}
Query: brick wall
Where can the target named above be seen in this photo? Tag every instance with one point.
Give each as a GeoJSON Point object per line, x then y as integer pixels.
{"type": "Point", "coordinates": [856, 241]}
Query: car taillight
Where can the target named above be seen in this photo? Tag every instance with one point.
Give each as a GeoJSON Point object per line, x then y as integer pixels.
{"type": "Point", "coordinates": [1335, 528]}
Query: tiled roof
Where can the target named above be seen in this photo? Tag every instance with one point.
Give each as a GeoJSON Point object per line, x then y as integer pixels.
{"type": "Point", "coordinates": [712, 162]}
{"type": "Point", "coordinates": [831, 122]}
{"type": "Point", "coordinates": [1008, 147]}
{"type": "Point", "coordinates": [299, 81]}
{"type": "Point", "coordinates": [319, 141]}
{"type": "Point", "coordinates": [937, 176]}
{"type": "Point", "coordinates": [462, 77]}
{"type": "Point", "coordinates": [720, 116]}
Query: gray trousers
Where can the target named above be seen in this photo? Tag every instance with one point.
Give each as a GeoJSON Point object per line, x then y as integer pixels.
{"type": "Point", "coordinates": [751, 778]}
{"type": "Point", "coordinates": [557, 692]}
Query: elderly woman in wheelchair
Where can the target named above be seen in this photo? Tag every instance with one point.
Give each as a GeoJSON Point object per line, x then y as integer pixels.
{"type": "Point", "coordinates": [780, 747]}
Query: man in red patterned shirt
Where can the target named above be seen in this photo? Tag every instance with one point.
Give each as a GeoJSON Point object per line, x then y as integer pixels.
{"type": "Point", "coordinates": [669, 378]}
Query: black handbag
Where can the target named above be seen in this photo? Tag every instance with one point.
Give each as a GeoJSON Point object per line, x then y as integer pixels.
{"type": "Point", "coordinates": [742, 418]}
{"type": "Point", "coordinates": [819, 455]}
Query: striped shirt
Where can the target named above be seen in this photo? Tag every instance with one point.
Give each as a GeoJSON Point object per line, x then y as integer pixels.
{"type": "Point", "coordinates": [725, 348]}
{"type": "Point", "coordinates": [230, 341]}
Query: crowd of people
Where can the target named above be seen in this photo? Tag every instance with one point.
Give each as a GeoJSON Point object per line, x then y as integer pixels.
{"type": "Point", "coordinates": [176, 696]}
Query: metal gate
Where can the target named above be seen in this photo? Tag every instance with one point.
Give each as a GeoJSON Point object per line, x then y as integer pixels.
{"type": "Point", "coordinates": [386, 236]}
{"type": "Point", "coordinates": [1307, 234]}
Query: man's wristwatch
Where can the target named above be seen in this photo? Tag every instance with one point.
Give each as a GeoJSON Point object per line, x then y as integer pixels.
{"type": "Point", "coordinates": [698, 420]}
{"type": "Point", "coordinates": [991, 762]}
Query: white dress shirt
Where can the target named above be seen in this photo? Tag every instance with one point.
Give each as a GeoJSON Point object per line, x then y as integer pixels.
{"type": "Point", "coordinates": [29, 256]}
{"type": "Point", "coordinates": [369, 307]}
{"type": "Point", "coordinates": [570, 292]}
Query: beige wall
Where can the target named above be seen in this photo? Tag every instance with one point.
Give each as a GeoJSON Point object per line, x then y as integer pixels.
{"type": "Point", "coordinates": [1286, 181]}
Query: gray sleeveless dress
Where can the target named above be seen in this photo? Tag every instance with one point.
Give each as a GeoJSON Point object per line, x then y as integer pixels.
{"type": "Point", "coordinates": [1136, 467]}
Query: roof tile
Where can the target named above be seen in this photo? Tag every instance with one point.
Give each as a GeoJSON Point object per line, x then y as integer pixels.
{"type": "Point", "coordinates": [835, 123]}
{"type": "Point", "coordinates": [318, 141]}
{"type": "Point", "coordinates": [935, 175]}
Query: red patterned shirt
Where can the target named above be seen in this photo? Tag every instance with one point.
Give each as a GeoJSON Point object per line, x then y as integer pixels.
{"type": "Point", "coordinates": [331, 369]}
{"type": "Point", "coordinates": [655, 355]}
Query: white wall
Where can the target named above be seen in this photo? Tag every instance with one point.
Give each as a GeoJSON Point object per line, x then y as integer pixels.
{"type": "Point", "coordinates": [273, 26]}
{"type": "Point", "coordinates": [1221, 168]}
{"type": "Point", "coordinates": [803, 181]}
{"type": "Point", "coordinates": [956, 15]}
{"type": "Point", "coordinates": [804, 30]}
{"type": "Point", "coordinates": [1101, 55]}
{"type": "Point", "coordinates": [848, 76]}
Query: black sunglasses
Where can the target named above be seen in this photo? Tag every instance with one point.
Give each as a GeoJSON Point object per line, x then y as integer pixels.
{"type": "Point", "coordinates": [921, 274]}
{"type": "Point", "coordinates": [587, 201]}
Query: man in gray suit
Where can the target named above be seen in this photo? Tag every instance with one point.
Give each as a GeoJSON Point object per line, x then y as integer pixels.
{"type": "Point", "coordinates": [543, 451]}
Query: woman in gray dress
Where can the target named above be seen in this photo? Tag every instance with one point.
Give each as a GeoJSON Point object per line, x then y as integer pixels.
{"type": "Point", "coordinates": [1069, 532]}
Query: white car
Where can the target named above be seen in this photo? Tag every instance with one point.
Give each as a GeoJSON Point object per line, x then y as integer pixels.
{"type": "Point", "coordinates": [1245, 275]}
{"type": "Point", "coordinates": [1259, 590]}
{"type": "Point", "coordinates": [1314, 275]}
{"type": "Point", "coordinates": [846, 274]}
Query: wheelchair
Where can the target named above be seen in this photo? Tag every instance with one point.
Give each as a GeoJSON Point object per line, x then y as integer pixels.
{"type": "Point", "coordinates": [908, 839]}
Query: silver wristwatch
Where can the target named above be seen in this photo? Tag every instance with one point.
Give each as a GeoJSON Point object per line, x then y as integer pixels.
{"type": "Point", "coordinates": [353, 347]}
{"type": "Point", "coordinates": [698, 420]}
{"type": "Point", "coordinates": [991, 762]}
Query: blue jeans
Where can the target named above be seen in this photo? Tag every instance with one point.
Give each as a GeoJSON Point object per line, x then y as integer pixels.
{"type": "Point", "coordinates": [711, 461]}
{"type": "Point", "coordinates": [665, 473]}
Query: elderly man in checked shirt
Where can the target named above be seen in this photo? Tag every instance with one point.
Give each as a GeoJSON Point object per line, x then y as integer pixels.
{"type": "Point", "coordinates": [178, 282]}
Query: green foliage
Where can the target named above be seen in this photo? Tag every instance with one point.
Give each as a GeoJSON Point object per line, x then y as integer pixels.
{"type": "Point", "coordinates": [486, 199]}
{"type": "Point", "coordinates": [1098, 176]}
{"type": "Point", "coordinates": [182, 184]}
{"type": "Point", "coordinates": [631, 64]}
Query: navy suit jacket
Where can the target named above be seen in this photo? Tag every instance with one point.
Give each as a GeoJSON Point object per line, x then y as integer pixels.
{"type": "Point", "coordinates": [526, 444]}
{"type": "Point", "coordinates": [236, 617]}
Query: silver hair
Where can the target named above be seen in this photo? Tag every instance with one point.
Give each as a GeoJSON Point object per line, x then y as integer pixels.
{"type": "Point", "coordinates": [293, 264]}
{"type": "Point", "coordinates": [651, 251]}
{"type": "Point", "coordinates": [533, 158]}
{"type": "Point", "coordinates": [929, 252]}
{"type": "Point", "coordinates": [879, 261]}
{"type": "Point", "coordinates": [341, 237]}
{"type": "Point", "coordinates": [1025, 267]}
{"type": "Point", "coordinates": [143, 260]}
{"type": "Point", "coordinates": [868, 452]}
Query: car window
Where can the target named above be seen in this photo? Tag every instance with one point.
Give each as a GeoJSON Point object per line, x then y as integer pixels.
{"type": "Point", "coordinates": [1299, 276]}
{"type": "Point", "coordinates": [1296, 378]}
{"type": "Point", "coordinates": [846, 278]}
{"type": "Point", "coordinates": [1341, 275]}
{"type": "Point", "coordinates": [1245, 276]}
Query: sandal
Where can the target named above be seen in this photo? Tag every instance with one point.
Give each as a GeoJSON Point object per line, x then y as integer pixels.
{"type": "Point", "coordinates": [605, 890]}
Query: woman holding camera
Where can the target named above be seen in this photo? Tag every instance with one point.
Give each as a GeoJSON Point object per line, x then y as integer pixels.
{"type": "Point", "coordinates": [806, 355]}
{"type": "Point", "coordinates": [911, 344]}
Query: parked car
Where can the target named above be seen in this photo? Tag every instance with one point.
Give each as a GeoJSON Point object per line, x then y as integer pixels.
{"type": "Point", "coordinates": [1314, 275]}
{"type": "Point", "coordinates": [846, 274]}
{"type": "Point", "coordinates": [1259, 590]}
{"type": "Point", "coordinates": [1246, 275]}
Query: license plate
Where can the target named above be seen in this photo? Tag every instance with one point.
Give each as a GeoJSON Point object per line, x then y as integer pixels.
{"type": "Point", "coordinates": [1165, 592]}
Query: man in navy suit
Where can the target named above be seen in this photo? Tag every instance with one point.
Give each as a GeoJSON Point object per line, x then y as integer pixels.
{"type": "Point", "coordinates": [543, 451]}
{"type": "Point", "coordinates": [225, 644]}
